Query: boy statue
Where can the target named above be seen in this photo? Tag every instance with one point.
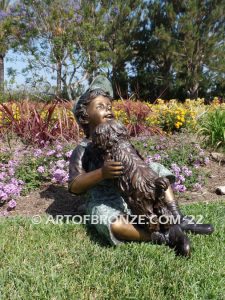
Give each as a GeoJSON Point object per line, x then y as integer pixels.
{"type": "Point", "coordinates": [104, 199]}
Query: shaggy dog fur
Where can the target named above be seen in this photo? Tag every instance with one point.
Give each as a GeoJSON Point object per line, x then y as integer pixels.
{"type": "Point", "coordinates": [140, 186]}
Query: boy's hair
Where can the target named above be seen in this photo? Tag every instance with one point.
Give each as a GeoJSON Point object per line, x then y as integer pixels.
{"type": "Point", "coordinates": [80, 110]}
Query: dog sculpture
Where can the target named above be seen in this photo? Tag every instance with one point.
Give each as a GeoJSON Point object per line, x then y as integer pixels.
{"type": "Point", "coordinates": [140, 186]}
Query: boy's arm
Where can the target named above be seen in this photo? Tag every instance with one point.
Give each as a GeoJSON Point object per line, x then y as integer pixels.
{"type": "Point", "coordinates": [84, 181]}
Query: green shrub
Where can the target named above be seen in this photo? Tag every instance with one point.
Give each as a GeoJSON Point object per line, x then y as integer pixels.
{"type": "Point", "coordinates": [212, 128]}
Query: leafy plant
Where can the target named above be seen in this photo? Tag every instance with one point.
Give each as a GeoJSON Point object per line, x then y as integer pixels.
{"type": "Point", "coordinates": [134, 114]}
{"type": "Point", "coordinates": [213, 129]}
{"type": "Point", "coordinates": [178, 154]}
{"type": "Point", "coordinates": [27, 172]}
{"type": "Point", "coordinates": [38, 123]}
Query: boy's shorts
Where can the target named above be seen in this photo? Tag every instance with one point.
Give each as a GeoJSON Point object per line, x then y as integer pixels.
{"type": "Point", "coordinates": [106, 206]}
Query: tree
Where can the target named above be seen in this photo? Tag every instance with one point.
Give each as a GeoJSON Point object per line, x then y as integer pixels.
{"type": "Point", "coordinates": [108, 37]}
{"type": "Point", "coordinates": [179, 45]}
{"type": "Point", "coordinates": [4, 33]}
{"type": "Point", "coordinates": [51, 40]}
{"type": "Point", "coordinates": [201, 46]}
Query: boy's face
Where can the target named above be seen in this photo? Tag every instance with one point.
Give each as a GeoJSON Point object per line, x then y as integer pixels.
{"type": "Point", "coordinates": [99, 111]}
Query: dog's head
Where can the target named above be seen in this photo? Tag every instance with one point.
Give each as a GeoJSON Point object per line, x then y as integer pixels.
{"type": "Point", "coordinates": [108, 134]}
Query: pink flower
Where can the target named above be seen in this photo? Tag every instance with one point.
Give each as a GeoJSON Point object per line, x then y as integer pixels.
{"type": "Point", "coordinates": [37, 152]}
{"type": "Point", "coordinates": [68, 154]}
{"type": "Point", "coordinates": [41, 169]}
{"type": "Point", "coordinates": [60, 176]}
{"type": "Point", "coordinates": [148, 159]}
{"type": "Point", "coordinates": [11, 204]}
{"type": "Point", "coordinates": [59, 147]}
{"type": "Point", "coordinates": [11, 171]}
{"type": "Point", "coordinates": [51, 152]}
{"type": "Point", "coordinates": [157, 157]}
{"type": "Point", "coordinates": [206, 160]}
{"type": "Point", "coordinates": [3, 196]}
{"type": "Point", "coordinates": [197, 186]}
{"type": "Point", "coordinates": [60, 163]}
{"type": "Point", "coordinates": [2, 175]}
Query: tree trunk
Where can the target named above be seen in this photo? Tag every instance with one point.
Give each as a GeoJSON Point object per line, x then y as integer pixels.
{"type": "Point", "coordinates": [59, 79]}
{"type": "Point", "coordinates": [2, 72]}
{"type": "Point", "coordinates": [120, 81]}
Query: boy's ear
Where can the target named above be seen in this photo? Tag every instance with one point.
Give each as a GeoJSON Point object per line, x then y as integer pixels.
{"type": "Point", "coordinates": [85, 119]}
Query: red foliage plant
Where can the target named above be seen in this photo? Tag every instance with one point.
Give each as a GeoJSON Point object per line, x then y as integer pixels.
{"type": "Point", "coordinates": [137, 112]}
{"type": "Point", "coordinates": [37, 123]}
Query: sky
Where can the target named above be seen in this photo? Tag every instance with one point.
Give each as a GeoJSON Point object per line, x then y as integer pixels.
{"type": "Point", "coordinates": [18, 62]}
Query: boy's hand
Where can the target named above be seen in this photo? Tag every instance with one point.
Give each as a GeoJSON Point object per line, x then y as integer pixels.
{"type": "Point", "coordinates": [112, 169]}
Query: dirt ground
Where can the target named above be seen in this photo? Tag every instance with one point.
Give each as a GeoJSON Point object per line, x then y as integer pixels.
{"type": "Point", "coordinates": [56, 200]}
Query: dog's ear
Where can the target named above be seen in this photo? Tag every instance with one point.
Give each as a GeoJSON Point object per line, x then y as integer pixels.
{"type": "Point", "coordinates": [120, 130]}
{"type": "Point", "coordinates": [101, 136]}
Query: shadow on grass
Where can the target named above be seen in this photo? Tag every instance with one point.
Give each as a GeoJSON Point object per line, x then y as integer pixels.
{"type": "Point", "coordinates": [66, 203]}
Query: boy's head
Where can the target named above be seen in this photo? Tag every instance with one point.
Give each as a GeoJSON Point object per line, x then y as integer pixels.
{"type": "Point", "coordinates": [101, 90]}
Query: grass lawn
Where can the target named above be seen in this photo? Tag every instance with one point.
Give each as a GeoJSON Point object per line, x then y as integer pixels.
{"type": "Point", "coordinates": [67, 261]}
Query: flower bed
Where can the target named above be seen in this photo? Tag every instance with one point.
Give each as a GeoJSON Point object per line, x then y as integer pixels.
{"type": "Point", "coordinates": [53, 132]}
{"type": "Point", "coordinates": [35, 122]}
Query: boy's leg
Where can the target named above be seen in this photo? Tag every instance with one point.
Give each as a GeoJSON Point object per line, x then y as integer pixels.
{"type": "Point", "coordinates": [128, 232]}
{"type": "Point", "coordinates": [174, 238]}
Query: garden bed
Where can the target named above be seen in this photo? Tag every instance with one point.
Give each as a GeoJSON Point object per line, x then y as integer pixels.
{"type": "Point", "coordinates": [53, 198]}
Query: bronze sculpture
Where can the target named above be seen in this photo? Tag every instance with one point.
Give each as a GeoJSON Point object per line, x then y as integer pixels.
{"type": "Point", "coordinates": [141, 187]}
{"type": "Point", "coordinates": [94, 108]}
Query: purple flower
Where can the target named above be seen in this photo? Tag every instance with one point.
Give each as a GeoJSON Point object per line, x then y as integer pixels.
{"type": "Point", "coordinates": [11, 171]}
{"type": "Point", "coordinates": [145, 145]}
{"type": "Point", "coordinates": [181, 178]}
{"type": "Point", "coordinates": [197, 164]}
{"type": "Point", "coordinates": [116, 10]}
{"type": "Point", "coordinates": [60, 163]}
{"type": "Point", "coordinates": [12, 163]}
{"type": "Point", "coordinates": [58, 155]}
{"type": "Point", "coordinates": [179, 187]}
{"type": "Point", "coordinates": [2, 175]}
{"type": "Point", "coordinates": [12, 204]}
{"type": "Point", "coordinates": [206, 160]}
{"type": "Point", "coordinates": [51, 152]}
{"type": "Point", "coordinates": [12, 189]}
{"type": "Point", "coordinates": [60, 176]}
{"type": "Point", "coordinates": [78, 18]}
{"type": "Point", "coordinates": [37, 153]}
{"type": "Point", "coordinates": [148, 159]}
{"type": "Point", "coordinates": [186, 171]}
{"type": "Point", "coordinates": [69, 153]}
{"type": "Point", "coordinates": [175, 168]}
{"type": "Point", "coordinates": [3, 15]}
{"type": "Point", "coordinates": [182, 188]}
{"type": "Point", "coordinates": [59, 148]}
{"type": "Point", "coordinates": [157, 157]}
{"type": "Point", "coordinates": [197, 186]}
{"type": "Point", "coordinates": [41, 169]}
{"type": "Point", "coordinates": [3, 196]}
